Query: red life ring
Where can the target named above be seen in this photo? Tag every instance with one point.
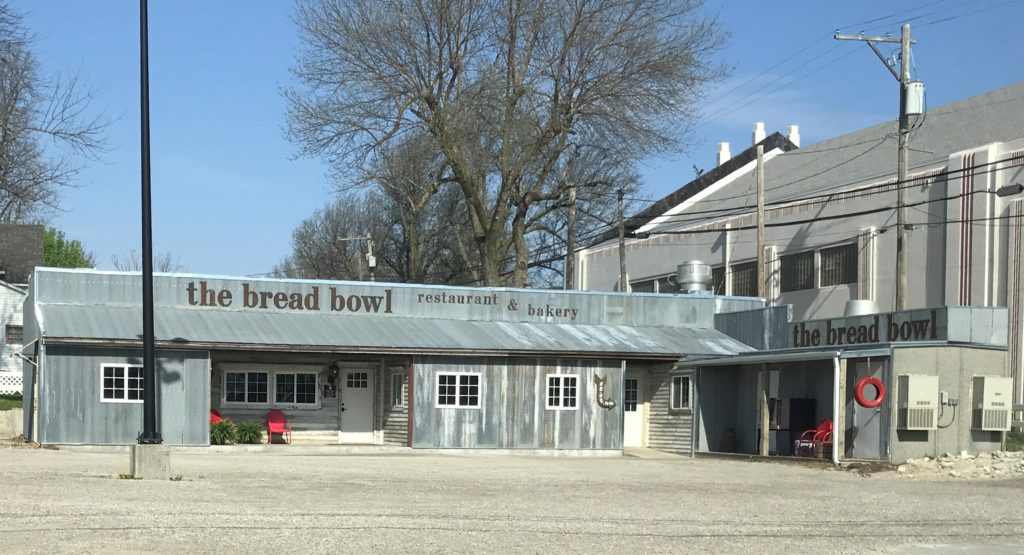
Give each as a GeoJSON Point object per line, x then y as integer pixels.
{"type": "Point", "coordinates": [858, 392]}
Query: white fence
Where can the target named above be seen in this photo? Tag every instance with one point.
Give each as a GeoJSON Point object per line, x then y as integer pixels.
{"type": "Point", "coordinates": [10, 382]}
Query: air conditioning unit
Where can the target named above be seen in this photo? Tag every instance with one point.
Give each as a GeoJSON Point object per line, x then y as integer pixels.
{"type": "Point", "coordinates": [918, 402]}
{"type": "Point", "coordinates": [992, 403]}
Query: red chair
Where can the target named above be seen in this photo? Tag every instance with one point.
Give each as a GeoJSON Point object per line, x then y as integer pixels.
{"type": "Point", "coordinates": [822, 435]}
{"type": "Point", "coordinates": [215, 416]}
{"type": "Point", "coordinates": [277, 423]}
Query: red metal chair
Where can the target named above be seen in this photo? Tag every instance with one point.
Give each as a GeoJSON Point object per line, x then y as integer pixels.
{"type": "Point", "coordinates": [805, 446]}
{"type": "Point", "coordinates": [215, 416]}
{"type": "Point", "coordinates": [277, 423]}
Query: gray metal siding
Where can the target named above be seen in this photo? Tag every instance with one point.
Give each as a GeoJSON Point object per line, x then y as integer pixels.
{"type": "Point", "coordinates": [667, 430]}
{"type": "Point", "coordinates": [764, 329]}
{"type": "Point", "coordinates": [71, 410]}
{"type": "Point", "coordinates": [512, 413]}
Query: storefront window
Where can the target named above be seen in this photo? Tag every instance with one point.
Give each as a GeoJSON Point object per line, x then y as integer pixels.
{"type": "Point", "coordinates": [298, 388]}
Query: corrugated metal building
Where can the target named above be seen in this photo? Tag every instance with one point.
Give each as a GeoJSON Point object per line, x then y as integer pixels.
{"type": "Point", "coordinates": [438, 367]}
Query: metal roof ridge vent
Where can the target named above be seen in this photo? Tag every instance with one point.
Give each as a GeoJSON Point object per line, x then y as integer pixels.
{"type": "Point", "coordinates": [723, 154]}
{"type": "Point", "coordinates": [794, 135]}
{"type": "Point", "coordinates": [758, 132]}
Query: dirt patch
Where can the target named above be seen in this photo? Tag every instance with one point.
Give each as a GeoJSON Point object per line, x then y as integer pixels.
{"type": "Point", "coordinates": [1000, 464]}
{"type": "Point", "coordinates": [867, 468]}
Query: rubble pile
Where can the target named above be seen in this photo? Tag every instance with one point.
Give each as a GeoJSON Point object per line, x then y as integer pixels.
{"type": "Point", "coordinates": [1000, 464]}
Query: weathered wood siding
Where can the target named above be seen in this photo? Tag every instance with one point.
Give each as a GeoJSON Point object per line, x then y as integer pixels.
{"type": "Point", "coordinates": [396, 417]}
{"type": "Point", "coordinates": [304, 421]}
{"type": "Point", "coordinates": [512, 413]}
{"type": "Point", "coordinates": [667, 430]}
{"type": "Point", "coordinates": [71, 412]}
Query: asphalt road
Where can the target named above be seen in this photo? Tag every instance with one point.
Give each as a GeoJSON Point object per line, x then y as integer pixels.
{"type": "Point", "coordinates": [62, 501]}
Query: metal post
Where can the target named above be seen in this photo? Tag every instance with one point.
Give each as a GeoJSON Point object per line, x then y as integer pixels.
{"type": "Point", "coordinates": [150, 433]}
{"type": "Point", "coordinates": [762, 274]}
{"type": "Point", "coordinates": [901, 173]}
{"type": "Point", "coordinates": [622, 243]}
{"type": "Point", "coordinates": [570, 242]}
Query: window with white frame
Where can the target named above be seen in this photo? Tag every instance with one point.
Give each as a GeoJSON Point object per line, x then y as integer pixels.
{"type": "Point", "coordinates": [680, 393]}
{"type": "Point", "coordinates": [458, 389]}
{"type": "Point", "coordinates": [562, 392]}
{"type": "Point", "coordinates": [838, 265]}
{"type": "Point", "coordinates": [122, 383]}
{"type": "Point", "coordinates": [297, 388]}
{"type": "Point", "coordinates": [246, 387]}
{"type": "Point", "coordinates": [266, 386]}
{"type": "Point", "coordinates": [398, 389]}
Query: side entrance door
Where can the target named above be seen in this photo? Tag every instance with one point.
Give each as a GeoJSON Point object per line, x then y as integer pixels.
{"type": "Point", "coordinates": [865, 427]}
{"type": "Point", "coordinates": [633, 410]}
{"type": "Point", "coordinates": [356, 406]}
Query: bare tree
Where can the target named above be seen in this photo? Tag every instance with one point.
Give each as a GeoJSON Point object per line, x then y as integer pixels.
{"type": "Point", "coordinates": [132, 262]}
{"type": "Point", "coordinates": [429, 220]}
{"type": "Point", "coordinates": [35, 109]}
{"type": "Point", "coordinates": [326, 245]}
{"type": "Point", "coordinates": [502, 87]}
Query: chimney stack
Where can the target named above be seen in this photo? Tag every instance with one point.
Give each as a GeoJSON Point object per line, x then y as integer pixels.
{"type": "Point", "coordinates": [723, 153]}
{"type": "Point", "coordinates": [794, 135]}
{"type": "Point", "coordinates": [758, 132]}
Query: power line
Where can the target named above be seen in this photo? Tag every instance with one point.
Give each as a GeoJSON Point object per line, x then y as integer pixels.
{"type": "Point", "coordinates": [895, 185]}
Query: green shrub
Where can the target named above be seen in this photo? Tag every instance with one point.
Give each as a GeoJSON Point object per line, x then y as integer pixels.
{"type": "Point", "coordinates": [8, 402]}
{"type": "Point", "coordinates": [249, 433]}
{"type": "Point", "coordinates": [222, 433]}
{"type": "Point", "coordinates": [1015, 441]}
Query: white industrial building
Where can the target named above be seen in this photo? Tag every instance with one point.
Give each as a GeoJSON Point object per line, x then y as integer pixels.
{"type": "Point", "coordinates": [831, 220]}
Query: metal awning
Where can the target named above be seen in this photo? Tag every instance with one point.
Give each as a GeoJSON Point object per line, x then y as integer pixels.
{"type": "Point", "coordinates": [185, 328]}
{"type": "Point", "coordinates": [762, 357]}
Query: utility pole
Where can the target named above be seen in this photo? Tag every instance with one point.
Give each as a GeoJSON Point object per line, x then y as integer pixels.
{"type": "Point", "coordinates": [762, 275]}
{"type": "Point", "coordinates": [622, 242]}
{"type": "Point", "coordinates": [370, 260]}
{"type": "Point", "coordinates": [903, 76]}
{"type": "Point", "coordinates": [570, 242]}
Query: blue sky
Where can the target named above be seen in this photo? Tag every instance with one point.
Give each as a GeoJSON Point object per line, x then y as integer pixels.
{"type": "Point", "coordinates": [228, 191]}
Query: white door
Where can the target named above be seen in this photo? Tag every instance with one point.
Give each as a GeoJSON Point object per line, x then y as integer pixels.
{"type": "Point", "coordinates": [633, 408]}
{"type": "Point", "coordinates": [356, 407]}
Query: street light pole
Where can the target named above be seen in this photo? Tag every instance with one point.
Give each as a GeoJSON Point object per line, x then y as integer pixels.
{"type": "Point", "coordinates": [150, 432]}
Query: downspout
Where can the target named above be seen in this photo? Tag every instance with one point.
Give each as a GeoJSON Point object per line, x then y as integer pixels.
{"type": "Point", "coordinates": [835, 406]}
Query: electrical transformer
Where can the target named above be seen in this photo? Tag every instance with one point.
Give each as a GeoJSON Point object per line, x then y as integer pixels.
{"type": "Point", "coordinates": [991, 403]}
{"type": "Point", "coordinates": [918, 402]}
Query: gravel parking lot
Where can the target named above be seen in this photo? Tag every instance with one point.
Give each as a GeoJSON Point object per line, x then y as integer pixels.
{"type": "Point", "coordinates": [69, 501]}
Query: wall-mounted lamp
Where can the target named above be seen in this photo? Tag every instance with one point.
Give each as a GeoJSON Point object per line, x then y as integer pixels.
{"type": "Point", "coordinates": [333, 374]}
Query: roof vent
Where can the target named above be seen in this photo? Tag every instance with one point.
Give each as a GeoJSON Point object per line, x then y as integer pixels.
{"type": "Point", "coordinates": [723, 153]}
{"type": "Point", "coordinates": [693, 276]}
{"type": "Point", "coordinates": [758, 132]}
{"type": "Point", "coordinates": [794, 135]}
